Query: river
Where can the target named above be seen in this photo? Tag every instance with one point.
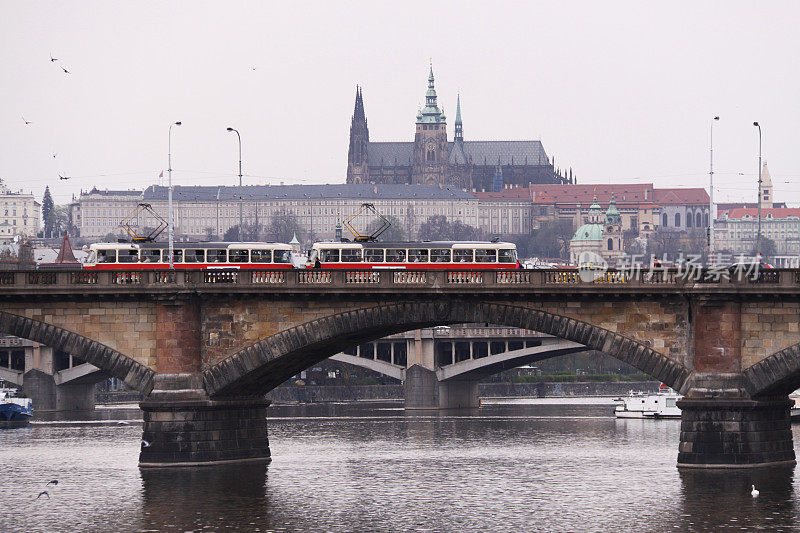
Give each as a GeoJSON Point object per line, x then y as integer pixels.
{"type": "Point", "coordinates": [534, 465]}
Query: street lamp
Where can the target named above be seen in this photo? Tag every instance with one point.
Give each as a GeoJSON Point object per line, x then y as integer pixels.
{"type": "Point", "coordinates": [758, 238]}
{"type": "Point", "coordinates": [240, 182]}
{"type": "Point", "coordinates": [711, 196]}
{"type": "Point", "coordinates": [171, 217]}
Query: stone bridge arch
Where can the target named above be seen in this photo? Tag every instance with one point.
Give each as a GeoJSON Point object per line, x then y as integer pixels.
{"type": "Point", "coordinates": [777, 374]}
{"type": "Point", "coordinates": [116, 364]}
{"type": "Point", "coordinates": [266, 364]}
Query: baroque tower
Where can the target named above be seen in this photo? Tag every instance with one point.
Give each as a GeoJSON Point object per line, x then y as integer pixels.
{"type": "Point", "coordinates": [357, 163]}
{"type": "Point", "coordinates": [431, 151]}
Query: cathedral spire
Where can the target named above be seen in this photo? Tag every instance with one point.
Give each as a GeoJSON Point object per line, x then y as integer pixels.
{"type": "Point", "coordinates": [459, 134]}
{"type": "Point", "coordinates": [431, 112]}
{"type": "Point", "coordinates": [358, 111]}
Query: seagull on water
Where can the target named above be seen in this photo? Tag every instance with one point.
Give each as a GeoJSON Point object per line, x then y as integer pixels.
{"type": "Point", "coordinates": [754, 493]}
{"type": "Point", "coordinates": [123, 423]}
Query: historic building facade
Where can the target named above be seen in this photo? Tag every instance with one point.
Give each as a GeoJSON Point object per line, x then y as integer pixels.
{"type": "Point", "coordinates": [600, 235]}
{"type": "Point", "coordinates": [19, 214]}
{"type": "Point", "coordinates": [433, 159]}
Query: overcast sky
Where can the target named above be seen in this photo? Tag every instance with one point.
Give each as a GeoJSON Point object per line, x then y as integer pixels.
{"type": "Point", "coordinates": [619, 91]}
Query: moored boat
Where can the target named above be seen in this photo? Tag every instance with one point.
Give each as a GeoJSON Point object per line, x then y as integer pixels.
{"type": "Point", "coordinates": [14, 410]}
{"type": "Point", "coordinates": [661, 405]}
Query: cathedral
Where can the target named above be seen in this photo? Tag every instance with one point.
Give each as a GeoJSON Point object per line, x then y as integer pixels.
{"type": "Point", "coordinates": [433, 159]}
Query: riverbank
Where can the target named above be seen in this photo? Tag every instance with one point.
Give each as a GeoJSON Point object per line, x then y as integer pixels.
{"type": "Point", "coordinates": [352, 393]}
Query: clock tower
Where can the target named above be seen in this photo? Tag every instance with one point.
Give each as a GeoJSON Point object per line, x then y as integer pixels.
{"type": "Point", "coordinates": [431, 149]}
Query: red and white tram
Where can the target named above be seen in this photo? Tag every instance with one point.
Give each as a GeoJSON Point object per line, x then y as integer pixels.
{"type": "Point", "coordinates": [415, 255]}
{"type": "Point", "coordinates": [155, 255]}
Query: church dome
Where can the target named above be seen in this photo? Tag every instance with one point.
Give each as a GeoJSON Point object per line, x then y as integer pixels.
{"type": "Point", "coordinates": [589, 232]}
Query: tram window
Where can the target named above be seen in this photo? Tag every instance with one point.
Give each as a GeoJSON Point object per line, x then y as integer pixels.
{"type": "Point", "coordinates": [128, 256]}
{"type": "Point", "coordinates": [351, 255]}
{"type": "Point", "coordinates": [462, 256]}
{"type": "Point", "coordinates": [106, 256]}
{"type": "Point", "coordinates": [485, 256]}
{"type": "Point", "coordinates": [418, 256]}
{"type": "Point", "coordinates": [440, 255]}
{"type": "Point", "coordinates": [395, 256]}
{"type": "Point", "coordinates": [194, 255]}
{"type": "Point", "coordinates": [151, 255]}
{"type": "Point", "coordinates": [283, 256]}
{"type": "Point", "coordinates": [239, 256]}
{"type": "Point", "coordinates": [373, 255]}
{"type": "Point", "coordinates": [508, 256]}
{"type": "Point", "coordinates": [217, 256]}
{"type": "Point", "coordinates": [177, 255]}
{"type": "Point", "coordinates": [261, 256]}
{"type": "Point", "coordinates": [329, 256]}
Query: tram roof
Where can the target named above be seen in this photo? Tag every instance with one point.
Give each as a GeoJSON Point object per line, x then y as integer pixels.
{"type": "Point", "coordinates": [418, 244]}
{"type": "Point", "coordinates": [206, 245]}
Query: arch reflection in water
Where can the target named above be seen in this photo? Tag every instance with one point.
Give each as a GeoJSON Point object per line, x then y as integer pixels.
{"type": "Point", "coordinates": [211, 498]}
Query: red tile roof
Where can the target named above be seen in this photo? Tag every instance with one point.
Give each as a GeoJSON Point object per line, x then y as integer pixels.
{"type": "Point", "coordinates": [690, 196]}
{"type": "Point", "coordinates": [776, 212]}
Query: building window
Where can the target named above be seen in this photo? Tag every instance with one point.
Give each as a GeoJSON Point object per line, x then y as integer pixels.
{"type": "Point", "coordinates": [431, 155]}
{"type": "Point", "coordinates": [677, 220]}
{"type": "Point", "coordinates": [698, 220]}
{"type": "Point", "coordinates": [610, 244]}
{"type": "Point", "coordinates": [664, 220]}
{"type": "Point", "coordinates": [688, 220]}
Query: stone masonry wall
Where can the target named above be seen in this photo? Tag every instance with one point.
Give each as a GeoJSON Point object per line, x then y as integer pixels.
{"type": "Point", "coordinates": [228, 325]}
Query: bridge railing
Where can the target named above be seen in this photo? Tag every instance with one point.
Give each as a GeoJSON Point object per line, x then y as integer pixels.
{"type": "Point", "coordinates": [92, 280]}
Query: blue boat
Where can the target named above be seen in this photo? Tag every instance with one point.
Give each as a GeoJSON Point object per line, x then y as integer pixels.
{"type": "Point", "coordinates": [14, 410]}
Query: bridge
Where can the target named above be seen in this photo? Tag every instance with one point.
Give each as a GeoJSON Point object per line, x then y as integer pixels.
{"type": "Point", "coordinates": [205, 346]}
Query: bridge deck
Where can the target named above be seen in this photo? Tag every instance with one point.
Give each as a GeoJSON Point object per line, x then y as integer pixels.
{"type": "Point", "coordinates": [92, 284]}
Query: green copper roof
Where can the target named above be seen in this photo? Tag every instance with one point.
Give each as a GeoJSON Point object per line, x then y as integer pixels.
{"type": "Point", "coordinates": [612, 214]}
{"type": "Point", "coordinates": [431, 114]}
{"type": "Point", "coordinates": [589, 232]}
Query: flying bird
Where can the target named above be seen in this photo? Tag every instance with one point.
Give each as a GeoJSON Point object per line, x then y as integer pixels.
{"type": "Point", "coordinates": [54, 155]}
{"type": "Point", "coordinates": [52, 482]}
{"type": "Point", "coordinates": [754, 493]}
{"type": "Point", "coordinates": [53, 58]}
{"type": "Point", "coordinates": [63, 177]}
{"type": "Point", "coordinates": [26, 121]}
{"type": "Point", "coordinates": [44, 492]}
{"type": "Point", "coordinates": [65, 70]}
{"type": "Point", "coordinates": [146, 444]}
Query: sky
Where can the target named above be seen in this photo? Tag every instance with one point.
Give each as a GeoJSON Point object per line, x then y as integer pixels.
{"type": "Point", "coordinates": [621, 92]}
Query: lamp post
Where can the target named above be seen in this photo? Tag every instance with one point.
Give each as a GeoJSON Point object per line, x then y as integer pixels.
{"type": "Point", "coordinates": [240, 182]}
{"type": "Point", "coordinates": [758, 237]}
{"type": "Point", "coordinates": [171, 217]}
{"type": "Point", "coordinates": [711, 195]}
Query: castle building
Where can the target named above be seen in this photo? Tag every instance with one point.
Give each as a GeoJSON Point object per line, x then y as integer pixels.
{"type": "Point", "coordinates": [433, 159]}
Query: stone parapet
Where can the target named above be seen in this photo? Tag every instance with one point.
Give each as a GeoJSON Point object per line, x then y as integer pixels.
{"type": "Point", "coordinates": [203, 432]}
{"type": "Point", "coordinates": [734, 433]}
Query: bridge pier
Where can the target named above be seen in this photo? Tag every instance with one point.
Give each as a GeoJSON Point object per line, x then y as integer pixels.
{"type": "Point", "coordinates": [735, 432]}
{"type": "Point", "coordinates": [47, 395]}
{"type": "Point", "coordinates": [184, 427]}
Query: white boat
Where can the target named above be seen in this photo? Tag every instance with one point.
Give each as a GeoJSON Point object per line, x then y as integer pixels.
{"type": "Point", "coordinates": [661, 405]}
{"type": "Point", "coordinates": [794, 412]}
{"type": "Point", "coordinates": [14, 410]}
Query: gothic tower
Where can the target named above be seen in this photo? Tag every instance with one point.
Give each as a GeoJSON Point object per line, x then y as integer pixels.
{"type": "Point", "coordinates": [357, 164]}
{"type": "Point", "coordinates": [430, 141]}
{"type": "Point", "coordinates": [459, 165]}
